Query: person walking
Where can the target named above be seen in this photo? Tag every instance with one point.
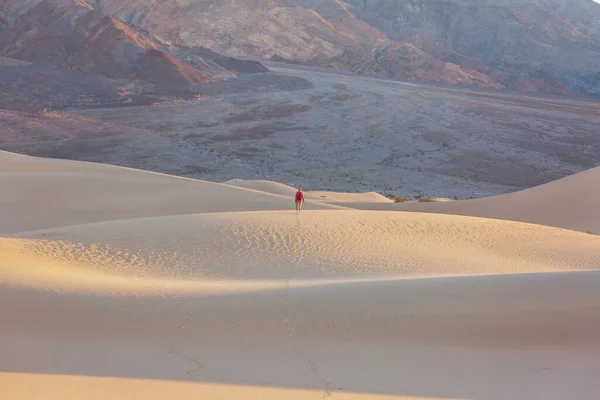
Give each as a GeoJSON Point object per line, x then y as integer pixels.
{"type": "Point", "coordinates": [299, 200]}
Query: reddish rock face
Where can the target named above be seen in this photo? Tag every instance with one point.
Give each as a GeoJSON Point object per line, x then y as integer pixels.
{"type": "Point", "coordinates": [72, 34]}
{"type": "Point", "coordinates": [35, 87]}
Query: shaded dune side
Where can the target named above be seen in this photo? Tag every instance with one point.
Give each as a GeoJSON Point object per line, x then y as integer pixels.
{"type": "Point", "coordinates": [42, 193]}
{"type": "Point", "coordinates": [420, 310]}
{"type": "Point", "coordinates": [395, 337]}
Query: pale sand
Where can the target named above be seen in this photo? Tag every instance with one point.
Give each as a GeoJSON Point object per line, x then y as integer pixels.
{"type": "Point", "coordinates": [264, 304]}
{"type": "Point", "coordinates": [38, 193]}
{"type": "Point", "coordinates": [320, 195]}
{"type": "Point", "coordinates": [572, 202]}
{"type": "Point", "coordinates": [324, 244]}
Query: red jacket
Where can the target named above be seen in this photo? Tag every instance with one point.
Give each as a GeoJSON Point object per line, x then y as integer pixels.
{"type": "Point", "coordinates": [299, 196]}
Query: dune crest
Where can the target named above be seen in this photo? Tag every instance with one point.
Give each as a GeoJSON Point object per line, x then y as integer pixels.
{"type": "Point", "coordinates": [320, 195]}
{"type": "Point", "coordinates": [41, 193]}
{"type": "Point", "coordinates": [570, 203]}
{"type": "Point", "coordinates": [319, 244]}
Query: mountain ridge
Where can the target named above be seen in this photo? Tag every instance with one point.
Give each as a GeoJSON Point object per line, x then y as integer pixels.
{"type": "Point", "coordinates": [528, 45]}
{"type": "Point", "coordinates": [72, 34]}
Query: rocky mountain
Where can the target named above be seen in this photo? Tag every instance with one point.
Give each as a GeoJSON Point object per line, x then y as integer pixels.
{"type": "Point", "coordinates": [202, 57]}
{"type": "Point", "coordinates": [72, 34]}
{"type": "Point", "coordinates": [527, 39]}
{"type": "Point", "coordinates": [35, 87]}
{"type": "Point", "coordinates": [532, 45]}
{"type": "Point", "coordinates": [406, 61]}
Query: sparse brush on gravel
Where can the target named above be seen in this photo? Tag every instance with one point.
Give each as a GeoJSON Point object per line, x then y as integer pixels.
{"type": "Point", "coordinates": [400, 199]}
{"type": "Point", "coordinates": [426, 200]}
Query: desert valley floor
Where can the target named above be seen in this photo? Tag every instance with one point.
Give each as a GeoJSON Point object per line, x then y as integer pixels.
{"type": "Point", "coordinates": [326, 130]}
{"type": "Point", "coordinates": [120, 283]}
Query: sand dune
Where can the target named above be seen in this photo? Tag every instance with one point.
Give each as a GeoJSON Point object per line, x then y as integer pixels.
{"type": "Point", "coordinates": [492, 337]}
{"type": "Point", "coordinates": [572, 202]}
{"type": "Point", "coordinates": [141, 285]}
{"type": "Point", "coordinates": [320, 244]}
{"type": "Point", "coordinates": [323, 196]}
{"type": "Point", "coordinates": [38, 193]}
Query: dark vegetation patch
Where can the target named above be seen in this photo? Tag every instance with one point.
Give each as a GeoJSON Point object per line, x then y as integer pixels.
{"type": "Point", "coordinates": [267, 82]}
{"type": "Point", "coordinates": [269, 112]}
{"type": "Point", "coordinates": [256, 132]}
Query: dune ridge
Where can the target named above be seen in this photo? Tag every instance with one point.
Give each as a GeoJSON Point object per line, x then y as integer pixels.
{"type": "Point", "coordinates": [569, 203]}
{"type": "Point", "coordinates": [348, 243]}
{"type": "Point", "coordinates": [137, 284]}
{"type": "Point", "coordinates": [320, 195]}
{"type": "Point", "coordinates": [44, 193]}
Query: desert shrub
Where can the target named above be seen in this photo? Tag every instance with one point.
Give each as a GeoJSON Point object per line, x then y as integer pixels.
{"type": "Point", "coordinates": [400, 199]}
{"type": "Point", "coordinates": [426, 200]}
{"type": "Point", "coordinates": [590, 232]}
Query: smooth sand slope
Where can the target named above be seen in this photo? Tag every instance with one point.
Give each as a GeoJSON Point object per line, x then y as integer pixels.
{"type": "Point", "coordinates": [249, 304]}
{"type": "Point", "coordinates": [572, 202]}
{"type": "Point", "coordinates": [323, 196]}
{"type": "Point", "coordinates": [37, 193]}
